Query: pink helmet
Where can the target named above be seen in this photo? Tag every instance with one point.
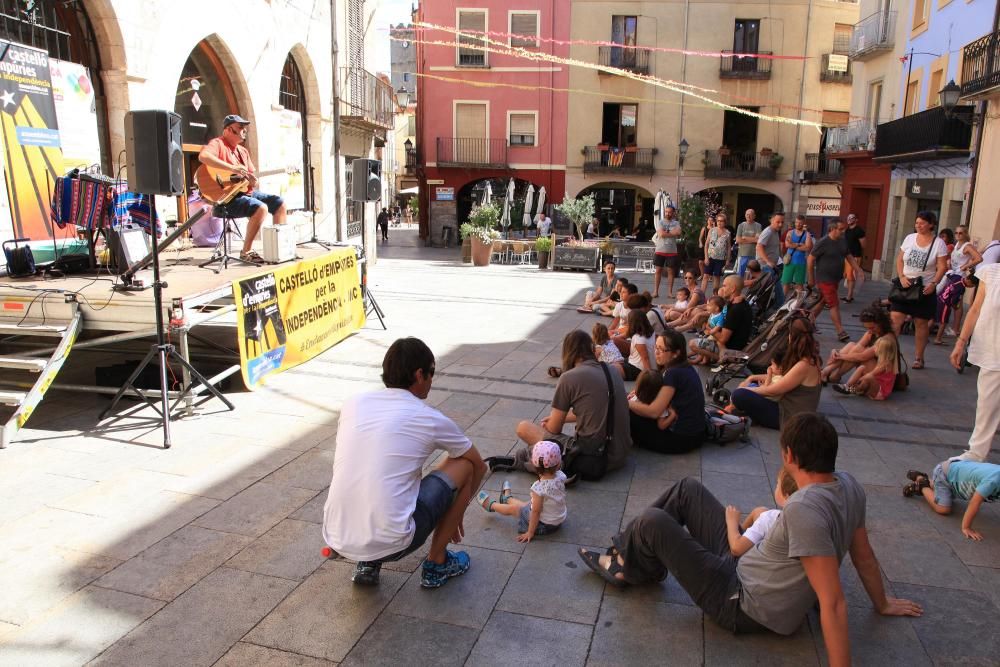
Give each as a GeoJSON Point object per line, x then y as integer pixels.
{"type": "Point", "coordinates": [547, 452]}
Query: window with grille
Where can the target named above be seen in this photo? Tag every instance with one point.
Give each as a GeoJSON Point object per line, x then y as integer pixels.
{"type": "Point", "coordinates": [470, 51]}
{"type": "Point", "coordinates": [524, 29]}
{"type": "Point", "coordinates": [522, 129]}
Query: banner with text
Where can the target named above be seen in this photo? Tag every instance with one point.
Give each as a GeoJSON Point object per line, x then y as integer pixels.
{"type": "Point", "coordinates": [32, 155]}
{"type": "Point", "coordinates": [292, 313]}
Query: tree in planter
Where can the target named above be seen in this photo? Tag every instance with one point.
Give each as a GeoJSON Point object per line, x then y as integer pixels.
{"type": "Point", "coordinates": [482, 223]}
{"type": "Point", "coordinates": [692, 212]}
{"type": "Point", "coordinates": [579, 211]}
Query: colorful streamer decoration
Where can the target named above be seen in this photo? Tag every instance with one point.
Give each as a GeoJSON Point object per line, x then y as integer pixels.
{"type": "Point", "coordinates": [492, 46]}
{"type": "Point", "coordinates": [421, 26]}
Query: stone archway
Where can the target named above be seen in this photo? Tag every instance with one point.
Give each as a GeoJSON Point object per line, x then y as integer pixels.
{"type": "Point", "coordinates": [313, 131]}
{"type": "Point", "coordinates": [472, 193]}
{"type": "Point", "coordinates": [621, 206]}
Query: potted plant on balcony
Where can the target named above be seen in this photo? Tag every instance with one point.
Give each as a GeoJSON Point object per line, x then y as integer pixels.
{"type": "Point", "coordinates": [481, 229]}
{"type": "Point", "coordinates": [724, 150]}
{"type": "Point", "coordinates": [543, 246]}
{"type": "Point", "coordinates": [776, 160]}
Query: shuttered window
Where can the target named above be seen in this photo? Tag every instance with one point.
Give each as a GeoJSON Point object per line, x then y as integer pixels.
{"type": "Point", "coordinates": [470, 121]}
{"type": "Point", "coordinates": [524, 29]}
{"type": "Point", "coordinates": [522, 129]}
{"type": "Point", "coordinates": [470, 51]}
{"type": "Point", "coordinates": [835, 118]}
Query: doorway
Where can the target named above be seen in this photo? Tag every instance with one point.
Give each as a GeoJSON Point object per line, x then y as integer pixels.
{"type": "Point", "coordinates": [739, 131]}
{"type": "Point", "coordinates": [618, 125]}
{"type": "Point", "coordinates": [762, 204]}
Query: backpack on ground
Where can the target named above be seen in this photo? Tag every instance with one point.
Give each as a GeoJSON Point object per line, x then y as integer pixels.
{"type": "Point", "coordinates": [722, 427]}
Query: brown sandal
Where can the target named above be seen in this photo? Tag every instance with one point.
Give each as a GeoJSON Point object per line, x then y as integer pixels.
{"type": "Point", "coordinates": [251, 256]}
{"type": "Point", "coordinates": [554, 371]}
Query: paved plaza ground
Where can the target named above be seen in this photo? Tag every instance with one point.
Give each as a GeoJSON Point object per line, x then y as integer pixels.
{"type": "Point", "coordinates": [116, 552]}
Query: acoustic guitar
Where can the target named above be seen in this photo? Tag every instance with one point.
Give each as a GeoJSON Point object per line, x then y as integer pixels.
{"type": "Point", "coordinates": [221, 186]}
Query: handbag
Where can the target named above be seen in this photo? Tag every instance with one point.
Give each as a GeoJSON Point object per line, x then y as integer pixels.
{"type": "Point", "coordinates": [913, 293]}
{"type": "Point", "coordinates": [902, 377]}
{"type": "Point", "coordinates": [587, 457]}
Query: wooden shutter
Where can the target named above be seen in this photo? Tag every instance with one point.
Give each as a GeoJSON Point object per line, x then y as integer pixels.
{"type": "Point", "coordinates": [470, 120]}
{"type": "Point", "coordinates": [836, 118]}
{"type": "Point", "coordinates": [522, 129]}
{"type": "Point", "coordinates": [470, 52]}
{"type": "Point", "coordinates": [524, 30]}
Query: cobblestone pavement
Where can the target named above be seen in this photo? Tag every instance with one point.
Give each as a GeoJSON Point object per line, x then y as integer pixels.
{"type": "Point", "coordinates": [117, 552]}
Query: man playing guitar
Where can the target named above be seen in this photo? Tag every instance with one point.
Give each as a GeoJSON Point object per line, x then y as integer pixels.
{"type": "Point", "coordinates": [226, 152]}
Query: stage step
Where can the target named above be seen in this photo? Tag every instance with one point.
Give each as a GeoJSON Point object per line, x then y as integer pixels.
{"type": "Point", "coordinates": [11, 397]}
{"type": "Point", "coordinates": [24, 403]}
{"type": "Point", "coordinates": [56, 330]}
{"type": "Point", "coordinates": [23, 363]}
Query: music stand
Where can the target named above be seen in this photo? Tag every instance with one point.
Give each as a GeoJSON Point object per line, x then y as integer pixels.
{"type": "Point", "coordinates": [310, 170]}
{"type": "Point", "coordinates": [162, 351]}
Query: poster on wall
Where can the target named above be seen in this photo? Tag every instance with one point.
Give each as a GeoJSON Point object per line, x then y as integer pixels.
{"type": "Point", "coordinates": [76, 114]}
{"type": "Point", "coordinates": [286, 153]}
{"type": "Point", "coordinates": [32, 157]}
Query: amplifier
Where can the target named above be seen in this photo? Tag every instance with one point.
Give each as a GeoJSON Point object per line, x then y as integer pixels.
{"type": "Point", "coordinates": [279, 243]}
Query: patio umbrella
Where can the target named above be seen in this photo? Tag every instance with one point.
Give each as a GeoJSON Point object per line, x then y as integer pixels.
{"type": "Point", "coordinates": [487, 194]}
{"type": "Point", "coordinates": [507, 202]}
{"type": "Point", "coordinates": [659, 204]}
{"type": "Point", "coordinates": [526, 219]}
{"type": "Point", "coordinates": [541, 199]}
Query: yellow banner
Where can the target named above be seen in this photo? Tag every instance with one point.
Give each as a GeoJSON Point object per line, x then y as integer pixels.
{"type": "Point", "coordinates": [293, 313]}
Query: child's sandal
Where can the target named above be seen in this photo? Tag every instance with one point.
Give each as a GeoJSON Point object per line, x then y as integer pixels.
{"type": "Point", "coordinates": [505, 492]}
{"type": "Point", "coordinates": [485, 501]}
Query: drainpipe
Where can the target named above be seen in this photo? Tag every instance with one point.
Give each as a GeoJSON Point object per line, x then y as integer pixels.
{"type": "Point", "coordinates": [337, 210]}
{"type": "Point", "coordinates": [984, 105]}
{"type": "Point", "coordinates": [796, 187]}
{"type": "Point", "coordinates": [684, 67]}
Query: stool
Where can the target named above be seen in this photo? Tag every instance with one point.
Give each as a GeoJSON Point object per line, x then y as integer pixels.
{"type": "Point", "coordinates": [222, 252]}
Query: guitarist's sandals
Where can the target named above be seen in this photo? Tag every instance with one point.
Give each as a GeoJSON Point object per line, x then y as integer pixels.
{"type": "Point", "coordinates": [251, 256]}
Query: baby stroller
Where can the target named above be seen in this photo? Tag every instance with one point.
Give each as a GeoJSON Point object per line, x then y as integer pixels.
{"type": "Point", "coordinates": [760, 297]}
{"type": "Point", "coordinates": [758, 354]}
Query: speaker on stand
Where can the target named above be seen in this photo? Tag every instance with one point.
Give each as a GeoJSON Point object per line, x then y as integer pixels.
{"type": "Point", "coordinates": [366, 185]}
{"type": "Point", "coordinates": [154, 158]}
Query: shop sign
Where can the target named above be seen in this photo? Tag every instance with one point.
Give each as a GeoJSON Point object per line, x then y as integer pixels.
{"type": "Point", "coordinates": [925, 188]}
{"type": "Point", "coordinates": [444, 194]}
{"type": "Point", "coordinates": [821, 207]}
{"type": "Point", "coordinates": [435, 181]}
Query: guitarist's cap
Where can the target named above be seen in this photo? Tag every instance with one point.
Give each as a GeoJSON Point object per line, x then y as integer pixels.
{"type": "Point", "coordinates": [234, 118]}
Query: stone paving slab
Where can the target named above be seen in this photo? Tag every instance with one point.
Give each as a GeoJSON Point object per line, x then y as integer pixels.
{"type": "Point", "coordinates": [222, 530]}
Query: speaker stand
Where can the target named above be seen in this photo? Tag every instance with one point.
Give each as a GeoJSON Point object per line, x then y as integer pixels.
{"type": "Point", "coordinates": [163, 352]}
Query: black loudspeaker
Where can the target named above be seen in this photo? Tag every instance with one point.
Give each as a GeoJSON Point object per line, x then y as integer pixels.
{"type": "Point", "coordinates": [366, 180]}
{"type": "Point", "coordinates": [153, 154]}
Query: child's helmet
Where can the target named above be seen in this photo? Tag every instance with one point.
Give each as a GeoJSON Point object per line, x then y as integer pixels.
{"type": "Point", "coordinates": [547, 454]}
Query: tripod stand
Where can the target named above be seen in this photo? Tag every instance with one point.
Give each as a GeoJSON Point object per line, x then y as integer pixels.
{"type": "Point", "coordinates": [163, 352]}
{"type": "Point", "coordinates": [310, 181]}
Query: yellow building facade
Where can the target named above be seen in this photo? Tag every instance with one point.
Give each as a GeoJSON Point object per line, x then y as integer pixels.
{"type": "Point", "coordinates": [625, 137]}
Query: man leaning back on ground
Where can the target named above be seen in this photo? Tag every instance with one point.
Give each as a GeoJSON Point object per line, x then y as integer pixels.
{"type": "Point", "coordinates": [379, 508]}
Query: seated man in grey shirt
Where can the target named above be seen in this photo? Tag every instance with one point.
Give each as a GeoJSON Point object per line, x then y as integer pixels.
{"type": "Point", "coordinates": [773, 585]}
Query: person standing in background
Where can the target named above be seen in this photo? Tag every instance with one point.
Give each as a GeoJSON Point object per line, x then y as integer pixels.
{"type": "Point", "coordinates": [665, 236]}
{"type": "Point", "coordinates": [855, 236]}
{"type": "Point", "coordinates": [746, 235]}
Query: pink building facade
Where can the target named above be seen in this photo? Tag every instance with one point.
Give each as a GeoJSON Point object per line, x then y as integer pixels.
{"type": "Point", "coordinates": [515, 127]}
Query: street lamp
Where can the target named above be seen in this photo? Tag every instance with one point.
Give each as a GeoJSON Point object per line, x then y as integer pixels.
{"type": "Point", "coordinates": [408, 145]}
{"type": "Point", "coordinates": [949, 96]}
{"type": "Point", "coordinates": [682, 151]}
{"type": "Point", "coordinates": [403, 97]}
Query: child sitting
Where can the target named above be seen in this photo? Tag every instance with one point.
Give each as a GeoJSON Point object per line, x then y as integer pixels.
{"type": "Point", "coordinates": [876, 378]}
{"type": "Point", "coordinates": [546, 511]}
{"type": "Point", "coordinates": [954, 478]}
{"type": "Point", "coordinates": [647, 387]}
{"type": "Point", "coordinates": [680, 305]}
{"type": "Point", "coordinates": [717, 315]}
{"type": "Point", "coordinates": [755, 527]}
{"type": "Point", "coordinates": [605, 349]}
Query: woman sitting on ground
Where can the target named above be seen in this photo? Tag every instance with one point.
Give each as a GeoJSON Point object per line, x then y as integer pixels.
{"type": "Point", "coordinates": [681, 395]}
{"type": "Point", "coordinates": [641, 355]}
{"type": "Point", "coordinates": [876, 322]}
{"type": "Point", "coordinates": [792, 390]}
{"type": "Point", "coordinates": [677, 317]}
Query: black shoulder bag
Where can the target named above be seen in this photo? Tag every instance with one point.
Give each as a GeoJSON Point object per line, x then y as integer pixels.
{"type": "Point", "coordinates": [915, 292]}
{"type": "Point", "coordinates": [587, 457]}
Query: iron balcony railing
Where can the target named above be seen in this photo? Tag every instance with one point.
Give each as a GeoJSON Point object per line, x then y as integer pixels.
{"type": "Point", "coordinates": [826, 75]}
{"type": "Point", "coordinates": [981, 65]}
{"type": "Point", "coordinates": [471, 151]}
{"type": "Point", "coordinates": [821, 169]}
{"type": "Point", "coordinates": [873, 35]}
{"type": "Point", "coordinates": [856, 136]}
{"type": "Point", "coordinates": [740, 164]}
{"type": "Point", "coordinates": [607, 159]}
{"type": "Point", "coordinates": [366, 99]}
{"type": "Point", "coordinates": [411, 160]}
{"type": "Point", "coordinates": [926, 135]}
{"type": "Point", "coordinates": [630, 59]}
{"type": "Point", "coordinates": [736, 66]}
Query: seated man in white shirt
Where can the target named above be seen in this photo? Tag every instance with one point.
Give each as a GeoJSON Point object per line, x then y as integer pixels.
{"type": "Point", "coordinates": [379, 509]}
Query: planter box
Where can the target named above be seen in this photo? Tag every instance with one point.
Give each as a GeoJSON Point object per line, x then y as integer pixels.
{"type": "Point", "coordinates": [577, 257]}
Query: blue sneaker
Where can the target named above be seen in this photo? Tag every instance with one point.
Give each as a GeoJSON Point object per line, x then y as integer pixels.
{"type": "Point", "coordinates": [435, 575]}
